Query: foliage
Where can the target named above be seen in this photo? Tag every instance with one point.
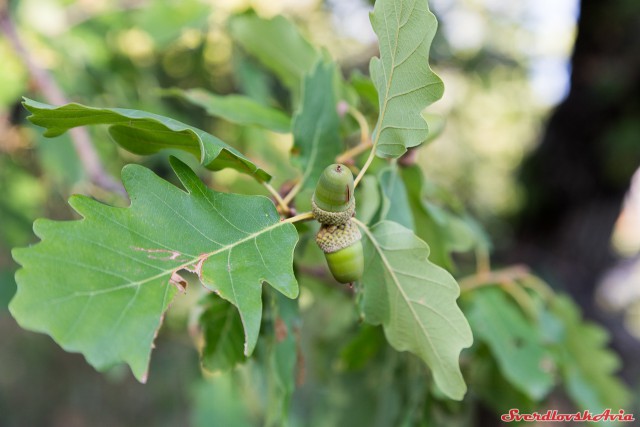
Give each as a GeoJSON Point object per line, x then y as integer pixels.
{"type": "Point", "coordinates": [101, 285]}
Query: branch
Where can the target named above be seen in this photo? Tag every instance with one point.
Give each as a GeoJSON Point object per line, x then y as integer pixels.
{"type": "Point", "coordinates": [365, 139]}
{"type": "Point", "coordinates": [89, 159]}
{"type": "Point", "coordinates": [496, 277]}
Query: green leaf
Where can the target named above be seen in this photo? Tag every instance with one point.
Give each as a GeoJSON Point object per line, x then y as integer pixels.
{"type": "Point", "coordinates": [222, 334]}
{"type": "Point", "coordinates": [402, 76]}
{"type": "Point", "coordinates": [316, 137]}
{"type": "Point", "coordinates": [363, 347]}
{"type": "Point", "coordinates": [368, 199]}
{"type": "Point", "coordinates": [277, 44]}
{"type": "Point", "coordinates": [514, 341]}
{"type": "Point", "coordinates": [144, 133]}
{"type": "Point", "coordinates": [395, 203]}
{"type": "Point", "coordinates": [415, 301]}
{"type": "Point", "coordinates": [100, 285]}
{"type": "Point", "coordinates": [442, 230]}
{"type": "Point", "coordinates": [282, 359]}
{"type": "Point", "coordinates": [219, 402]}
{"type": "Point", "coordinates": [587, 366]}
{"type": "Point", "coordinates": [364, 87]}
{"type": "Point", "coordinates": [236, 108]}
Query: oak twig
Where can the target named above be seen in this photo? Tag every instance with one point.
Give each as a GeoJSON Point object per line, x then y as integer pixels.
{"type": "Point", "coordinates": [284, 207]}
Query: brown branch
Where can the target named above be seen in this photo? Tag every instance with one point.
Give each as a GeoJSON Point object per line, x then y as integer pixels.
{"type": "Point", "coordinates": [43, 80]}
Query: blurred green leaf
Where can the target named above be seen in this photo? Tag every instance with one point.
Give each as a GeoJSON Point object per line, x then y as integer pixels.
{"type": "Point", "coordinates": [587, 365]}
{"type": "Point", "coordinates": [368, 199]}
{"type": "Point", "coordinates": [220, 403]}
{"type": "Point", "coordinates": [277, 44]}
{"type": "Point", "coordinates": [415, 301]}
{"type": "Point", "coordinates": [100, 285]}
{"type": "Point", "coordinates": [282, 359]}
{"type": "Point", "coordinates": [13, 76]}
{"type": "Point", "coordinates": [7, 289]}
{"type": "Point", "coordinates": [144, 133]}
{"type": "Point", "coordinates": [316, 140]}
{"type": "Point", "coordinates": [487, 380]}
{"type": "Point", "coordinates": [442, 230]}
{"type": "Point", "coordinates": [363, 347]}
{"type": "Point", "coordinates": [514, 341]}
{"type": "Point", "coordinates": [252, 80]}
{"type": "Point", "coordinates": [364, 87]}
{"type": "Point", "coordinates": [395, 203]}
{"type": "Point", "coordinates": [165, 21]}
{"type": "Point", "coordinates": [59, 159]}
{"type": "Point", "coordinates": [402, 76]}
{"type": "Point", "coordinates": [236, 108]}
{"type": "Point", "coordinates": [222, 334]}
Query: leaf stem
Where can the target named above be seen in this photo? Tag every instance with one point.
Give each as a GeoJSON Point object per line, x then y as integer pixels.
{"type": "Point", "coordinates": [307, 216]}
{"type": "Point", "coordinates": [284, 206]}
{"type": "Point", "coordinates": [367, 163]}
{"type": "Point", "coordinates": [483, 262]}
{"type": "Point", "coordinates": [506, 276]}
{"type": "Point", "coordinates": [293, 192]}
{"type": "Point", "coordinates": [493, 278]}
{"type": "Point", "coordinates": [521, 297]}
{"type": "Point", "coordinates": [365, 139]}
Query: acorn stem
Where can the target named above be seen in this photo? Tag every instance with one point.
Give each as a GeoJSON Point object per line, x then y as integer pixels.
{"type": "Point", "coordinates": [372, 154]}
{"type": "Point", "coordinates": [307, 216]}
{"type": "Point", "coordinates": [365, 139]}
{"type": "Point", "coordinates": [293, 192]}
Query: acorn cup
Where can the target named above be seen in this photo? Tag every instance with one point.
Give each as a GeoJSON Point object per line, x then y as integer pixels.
{"type": "Point", "coordinates": [339, 237]}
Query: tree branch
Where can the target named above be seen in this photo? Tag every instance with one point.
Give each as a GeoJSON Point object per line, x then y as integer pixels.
{"type": "Point", "coordinates": [87, 154]}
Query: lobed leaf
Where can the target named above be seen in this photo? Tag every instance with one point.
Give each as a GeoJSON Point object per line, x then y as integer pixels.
{"type": "Point", "coordinates": [144, 133]}
{"type": "Point", "coordinates": [415, 301]}
{"type": "Point", "coordinates": [405, 83]}
{"type": "Point", "coordinates": [101, 285]}
{"type": "Point", "coordinates": [236, 108]}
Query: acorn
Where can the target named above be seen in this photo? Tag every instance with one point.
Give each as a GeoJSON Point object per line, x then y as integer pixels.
{"type": "Point", "coordinates": [343, 250]}
{"type": "Point", "coordinates": [333, 202]}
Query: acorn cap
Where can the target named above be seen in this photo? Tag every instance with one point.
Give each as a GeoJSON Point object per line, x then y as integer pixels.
{"type": "Point", "coordinates": [332, 218]}
{"type": "Point", "coordinates": [332, 238]}
{"type": "Point", "coordinates": [334, 191]}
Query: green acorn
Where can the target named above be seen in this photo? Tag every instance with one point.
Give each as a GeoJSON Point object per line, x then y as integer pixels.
{"type": "Point", "coordinates": [343, 250]}
{"type": "Point", "coordinates": [333, 202]}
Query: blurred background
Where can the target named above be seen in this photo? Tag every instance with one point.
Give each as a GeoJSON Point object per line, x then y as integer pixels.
{"type": "Point", "coordinates": [542, 143]}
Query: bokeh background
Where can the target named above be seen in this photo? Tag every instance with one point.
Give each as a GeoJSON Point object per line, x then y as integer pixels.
{"type": "Point", "coordinates": [542, 143]}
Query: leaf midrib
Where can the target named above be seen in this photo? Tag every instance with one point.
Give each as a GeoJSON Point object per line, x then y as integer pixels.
{"type": "Point", "coordinates": [176, 268]}
{"type": "Point", "coordinates": [401, 291]}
